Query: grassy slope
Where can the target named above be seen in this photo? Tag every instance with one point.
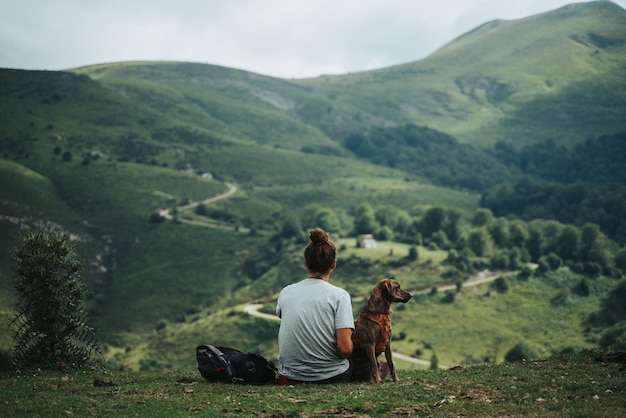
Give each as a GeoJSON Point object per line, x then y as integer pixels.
{"type": "Point", "coordinates": [573, 385]}
{"type": "Point", "coordinates": [555, 75]}
{"type": "Point", "coordinates": [236, 104]}
{"type": "Point", "coordinates": [130, 262]}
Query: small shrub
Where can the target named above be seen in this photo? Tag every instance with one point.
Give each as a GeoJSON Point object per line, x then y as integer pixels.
{"type": "Point", "coordinates": [569, 350]}
{"type": "Point", "coordinates": [520, 352]}
{"type": "Point", "coordinates": [449, 297]}
{"type": "Point", "coordinates": [453, 255]}
{"type": "Point", "coordinates": [50, 326]}
{"type": "Point", "coordinates": [472, 359]}
{"type": "Point", "coordinates": [501, 284]}
{"type": "Point", "coordinates": [202, 210]}
{"type": "Point", "coordinates": [434, 361]}
{"type": "Point", "coordinates": [614, 337]}
{"type": "Point", "coordinates": [156, 218]}
{"type": "Point", "coordinates": [582, 288]}
{"type": "Point", "coordinates": [526, 272]}
{"type": "Point", "coordinates": [399, 337]}
{"type": "Point", "coordinates": [554, 261]}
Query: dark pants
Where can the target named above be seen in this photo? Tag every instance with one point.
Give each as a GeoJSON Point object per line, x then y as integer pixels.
{"type": "Point", "coordinates": [344, 377]}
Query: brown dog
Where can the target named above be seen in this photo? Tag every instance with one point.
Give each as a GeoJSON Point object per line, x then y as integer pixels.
{"type": "Point", "coordinates": [372, 332]}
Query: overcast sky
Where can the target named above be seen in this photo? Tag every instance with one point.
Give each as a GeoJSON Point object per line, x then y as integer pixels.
{"type": "Point", "coordinates": [283, 38]}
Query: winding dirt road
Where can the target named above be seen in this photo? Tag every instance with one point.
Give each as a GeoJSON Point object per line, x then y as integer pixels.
{"type": "Point", "coordinates": [167, 213]}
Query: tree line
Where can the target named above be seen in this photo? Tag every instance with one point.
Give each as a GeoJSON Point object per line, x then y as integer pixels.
{"type": "Point", "coordinates": [430, 154]}
{"type": "Point", "coordinates": [585, 183]}
{"type": "Point", "coordinates": [603, 205]}
{"type": "Point", "coordinates": [484, 241]}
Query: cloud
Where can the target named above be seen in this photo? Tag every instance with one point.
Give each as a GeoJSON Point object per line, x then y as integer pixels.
{"type": "Point", "coordinates": [285, 38]}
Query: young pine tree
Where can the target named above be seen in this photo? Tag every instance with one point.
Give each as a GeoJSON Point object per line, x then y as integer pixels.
{"type": "Point", "coordinates": [49, 326]}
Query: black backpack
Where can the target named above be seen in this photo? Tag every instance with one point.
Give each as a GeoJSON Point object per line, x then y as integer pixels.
{"type": "Point", "coordinates": [227, 365]}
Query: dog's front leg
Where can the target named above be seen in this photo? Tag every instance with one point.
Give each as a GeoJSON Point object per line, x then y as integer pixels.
{"type": "Point", "coordinates": [392, 366]}
{"type": "Point", "coordinates": [373, 363]}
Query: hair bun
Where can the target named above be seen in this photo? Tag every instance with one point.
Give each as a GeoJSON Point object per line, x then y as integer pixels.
{"type": "Point", "coordinates": [318, 236]}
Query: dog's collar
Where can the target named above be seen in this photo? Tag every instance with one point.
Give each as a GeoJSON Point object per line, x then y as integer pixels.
{"type": "Point", "coordinates": [380, 317]}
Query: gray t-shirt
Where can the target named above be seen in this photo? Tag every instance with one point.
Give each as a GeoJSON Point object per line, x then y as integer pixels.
{"type": "Point", "coordinates": [310, 312]}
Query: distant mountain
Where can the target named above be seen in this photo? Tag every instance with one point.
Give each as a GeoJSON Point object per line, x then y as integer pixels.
{"type": "Point", "coordinates": [557, 75]}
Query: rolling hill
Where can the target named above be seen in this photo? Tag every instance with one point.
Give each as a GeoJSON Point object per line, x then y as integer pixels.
{"type": "Point", "coordinates": [98, 152]}
{"type": "Point", "coordinates": [555, 75]}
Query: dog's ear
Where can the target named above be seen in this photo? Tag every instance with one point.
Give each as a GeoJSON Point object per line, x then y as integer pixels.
{"type": "Point", "coordinates": [388, 285]}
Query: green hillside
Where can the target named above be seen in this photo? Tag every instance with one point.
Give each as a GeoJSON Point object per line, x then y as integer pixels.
{"type": "Point", "coordinates": [189, 187]}
{"type": "Point", "coordinates": [113, 162]}
{"type": "Point", "coordinates": [556, 75]}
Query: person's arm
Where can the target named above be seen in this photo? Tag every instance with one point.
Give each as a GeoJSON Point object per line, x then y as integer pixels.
{"type": "Point", "coordinates": [279, 311]}
{"type": "Point", "coordinates": [344, 342]}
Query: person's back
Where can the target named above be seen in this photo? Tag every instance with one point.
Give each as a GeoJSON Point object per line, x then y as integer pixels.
{"type": "Point", "coordinates": [316, 321]}
{"type": "Point", "coordinates": [308, 346]}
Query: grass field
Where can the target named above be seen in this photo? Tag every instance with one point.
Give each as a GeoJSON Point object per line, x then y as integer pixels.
{"type": "Point", "coordinates": [566, 385]}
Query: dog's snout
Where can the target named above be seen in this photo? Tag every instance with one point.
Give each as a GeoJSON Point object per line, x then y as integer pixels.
{"type": "Point", "coordinates": [402, 295]}
{"type": "Point", "coordinates": [406, 296]}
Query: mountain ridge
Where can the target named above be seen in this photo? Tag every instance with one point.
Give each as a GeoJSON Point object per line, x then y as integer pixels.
{"type": "Point", "coordinates": [452, 90]}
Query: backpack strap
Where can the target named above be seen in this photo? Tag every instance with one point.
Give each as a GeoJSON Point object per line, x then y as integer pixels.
{"type": "Point", "coordinates": [230, 369]}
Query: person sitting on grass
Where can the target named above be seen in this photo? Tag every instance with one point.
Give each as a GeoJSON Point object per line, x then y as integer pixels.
{"type": "Point", "coordinates": [315, 336]}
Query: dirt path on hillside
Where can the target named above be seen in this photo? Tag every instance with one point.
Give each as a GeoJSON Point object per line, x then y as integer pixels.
{"type": "Point", "coordinates": [167, 213]}
{"type": "Point", "coordinates": [481, 277]}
